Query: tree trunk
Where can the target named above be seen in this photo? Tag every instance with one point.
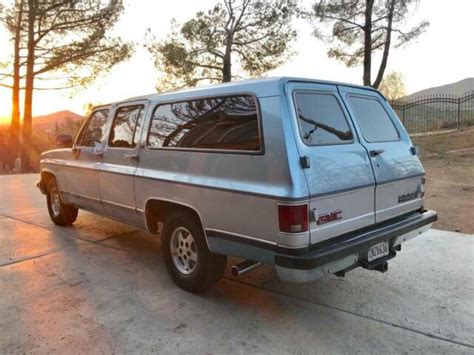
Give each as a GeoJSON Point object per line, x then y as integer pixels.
{"type": "Point", "coordinates": [386, 49]}
{"type": "Point", "coordinates": [227, 69]}
{"type": "Point", "coordinates": [15, 123]}
{"type": "Point", "coordinates": [368, 42]}
{"type": "Point", "coordinates": [227, 62]}
{"type": "Point", "coordinates": [27, 148]}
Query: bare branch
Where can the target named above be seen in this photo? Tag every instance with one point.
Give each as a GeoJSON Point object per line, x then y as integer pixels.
{"type": "Point", "coordinates": [6, 86]}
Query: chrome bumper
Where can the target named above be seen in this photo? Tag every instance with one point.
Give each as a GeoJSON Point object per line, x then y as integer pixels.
{"type": "Point", "coordinates": [349, 251]}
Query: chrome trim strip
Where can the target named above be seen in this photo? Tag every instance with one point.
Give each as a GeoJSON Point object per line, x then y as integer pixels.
{"type": "Point", "coordinates": [90, 166]}
{"type": "Point", "coordinates": [278, 198]}
{"type": "Point", "coordinates": [118, 205]}
{"type": "Point", "coordinates": [401, 178]}
{"type": "Point", "coordinates": [80, 196]}
{"type": "Point", "coordinates": [100, 201]}
{"type": "Point", "coordinates": [241, 236]}
{"type": "Point", "coordinates": [341, 191]}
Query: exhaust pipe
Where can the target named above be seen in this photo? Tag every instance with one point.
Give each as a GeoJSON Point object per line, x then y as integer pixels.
{"type": "Point", "coordinates": [244, 267]}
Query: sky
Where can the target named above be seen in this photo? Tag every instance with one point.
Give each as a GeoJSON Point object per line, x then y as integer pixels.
{"type": "Point", "coordinates": [442, 55]}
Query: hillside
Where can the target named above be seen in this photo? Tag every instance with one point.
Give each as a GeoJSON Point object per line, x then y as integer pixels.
{"type": "Point", "coordinates": [57, 117]}
{"type": "Point", "coordinates": [458, 89]}
{"type": "Point", "coordinates": [63, 120]}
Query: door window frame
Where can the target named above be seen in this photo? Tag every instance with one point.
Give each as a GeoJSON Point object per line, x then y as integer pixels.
{"type": "Point", "coordinates": [211, 150]}
{"type": "Point", "coordinates": [341, 107]}
{"type": "Point", "coordinates": [85, 126]}
{"type": "Point", "coordinates": [128, 104]}
{"type": "Point", "coordinates": [368, 97]}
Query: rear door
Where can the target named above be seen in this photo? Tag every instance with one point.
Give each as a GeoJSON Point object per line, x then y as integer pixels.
{"type": "Point", "coordinates": [398, 171]}
{"type": "Point", "coordinates": [338, 169]}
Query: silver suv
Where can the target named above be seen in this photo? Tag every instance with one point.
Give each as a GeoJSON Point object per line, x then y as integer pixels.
{"type": "Point", "coordinates": [312, 177]}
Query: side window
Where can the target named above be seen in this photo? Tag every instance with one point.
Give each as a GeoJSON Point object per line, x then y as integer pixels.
{"type": "Point", "coordinates": [126, 128]}
{"type": "Point", "coordinates": [94, 132]}
{"type": "Point", "coordinates": [321, 119]}
{"type": "Point", "coordinates": [221, 123]}
{"type": "Point", "coordinates": [374, 122]}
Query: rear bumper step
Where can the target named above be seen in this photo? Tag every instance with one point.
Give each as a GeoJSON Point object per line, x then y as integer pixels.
{"type": "Point", "coordinates": [355, 245]}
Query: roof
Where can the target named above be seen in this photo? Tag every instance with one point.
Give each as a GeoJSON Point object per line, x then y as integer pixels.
{"type": "Point", "coordinates": [269, 86]}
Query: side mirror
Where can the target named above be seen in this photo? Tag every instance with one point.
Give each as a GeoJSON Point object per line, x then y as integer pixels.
{"type": "Point", "coordinates": [64, 141]}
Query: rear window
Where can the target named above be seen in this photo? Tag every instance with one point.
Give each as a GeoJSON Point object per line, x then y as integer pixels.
{"type": "Point", "coordinates": [321, 119]}
{"type": "Point", "coordinates": [218, 123]}
{"type": "Point", "coordinates": [374, 122]}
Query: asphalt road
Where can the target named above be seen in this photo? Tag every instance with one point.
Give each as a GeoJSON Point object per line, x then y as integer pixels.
{"type": "Point", "coordinates": [101, 287]}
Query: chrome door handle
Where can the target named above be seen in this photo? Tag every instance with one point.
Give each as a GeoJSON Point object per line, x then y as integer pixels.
{"type": "Point", "coordinates": [375, 152]}
{"type": "Point", "coordinates": [131, 156]}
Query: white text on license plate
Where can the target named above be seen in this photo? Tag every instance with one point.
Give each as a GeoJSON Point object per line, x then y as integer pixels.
{"type": "Point", "coordinates": [377, 251]}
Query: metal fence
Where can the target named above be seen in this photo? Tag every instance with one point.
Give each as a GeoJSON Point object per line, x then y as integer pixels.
{"type": "Point", "coordinates": [436, 112]}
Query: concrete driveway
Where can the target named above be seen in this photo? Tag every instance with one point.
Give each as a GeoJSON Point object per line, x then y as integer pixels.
{"type": "Point", "coordinates": [101, 287]}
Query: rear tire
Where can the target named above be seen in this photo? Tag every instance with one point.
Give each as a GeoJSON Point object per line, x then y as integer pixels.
{"type": "Point", "coordinates": [60, 213]}
{"type": "Point", "coordinates": [188, 260]}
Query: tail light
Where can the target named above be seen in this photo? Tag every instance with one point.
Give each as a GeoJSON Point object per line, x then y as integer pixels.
{"type": "Point", "coordinates": [293, 218]}
{"type": "Point", "coordinates": [422, 187]}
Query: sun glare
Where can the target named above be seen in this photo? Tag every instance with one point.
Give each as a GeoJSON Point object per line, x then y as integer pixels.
{"type": "Point", "coordinates": [4, 120]}
{"type": "Point", "coordinates": [5, 106]}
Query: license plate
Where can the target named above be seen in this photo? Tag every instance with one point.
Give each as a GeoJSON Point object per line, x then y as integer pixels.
{"type": "Point", "coordinates": [378, 251]}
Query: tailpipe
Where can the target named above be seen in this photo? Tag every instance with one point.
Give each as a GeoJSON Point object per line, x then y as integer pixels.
{"type": "Point", "coordinates": [244, 267]}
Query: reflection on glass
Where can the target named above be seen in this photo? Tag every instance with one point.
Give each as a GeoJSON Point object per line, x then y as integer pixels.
{"type": "Point", "coordinates": [124, 129]}
{"type": "Point", "coordinates": [213, 123]}
{"type": "Point", "coordinates": [95, 131]}
{"type": "Point", "coordinates": [321, 119]}
{"type": "Point", "coordinates": [374, 122]}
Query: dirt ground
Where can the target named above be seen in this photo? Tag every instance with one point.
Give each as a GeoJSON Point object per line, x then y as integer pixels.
{"type": "Point", "coordinates": [448, 159]}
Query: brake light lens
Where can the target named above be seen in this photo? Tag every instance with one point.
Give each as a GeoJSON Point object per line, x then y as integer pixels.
{"type": "Point", "coordinates": [422, 187]}
{"type": "Point", "coordinates": [293, 218]}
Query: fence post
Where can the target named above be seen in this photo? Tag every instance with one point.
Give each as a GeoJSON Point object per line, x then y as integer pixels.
{"type": "Point", "coordinates": [459, 112]}
{"type": "Point", "coordinates": [403, 114]}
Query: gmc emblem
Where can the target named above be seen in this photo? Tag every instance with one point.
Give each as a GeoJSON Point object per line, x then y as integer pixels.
{"type": "Point", "coordinates": [329, 217]}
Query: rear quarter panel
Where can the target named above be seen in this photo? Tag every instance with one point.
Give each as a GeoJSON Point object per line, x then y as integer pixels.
{"type": "Point", "coordinates": [235, 193]}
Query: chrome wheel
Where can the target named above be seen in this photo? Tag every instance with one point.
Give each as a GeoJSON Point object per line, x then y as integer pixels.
{"type": "Point", "coordinates": [183, 250]}
{"type": "Point", "coordinates": [55, 202]}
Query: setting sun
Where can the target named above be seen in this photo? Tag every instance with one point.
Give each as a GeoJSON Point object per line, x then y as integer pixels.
{"type": "Point", "coordinates": [5, 108]}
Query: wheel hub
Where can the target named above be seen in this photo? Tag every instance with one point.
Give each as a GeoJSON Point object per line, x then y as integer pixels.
{"type": "Point", "coordinates": [55, 202]}
{"type": "Point", "coordinates": [183, 250]}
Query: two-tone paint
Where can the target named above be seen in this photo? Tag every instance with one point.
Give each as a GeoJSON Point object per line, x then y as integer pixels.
{"type": "Point", "coordinates": [236, 194]}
